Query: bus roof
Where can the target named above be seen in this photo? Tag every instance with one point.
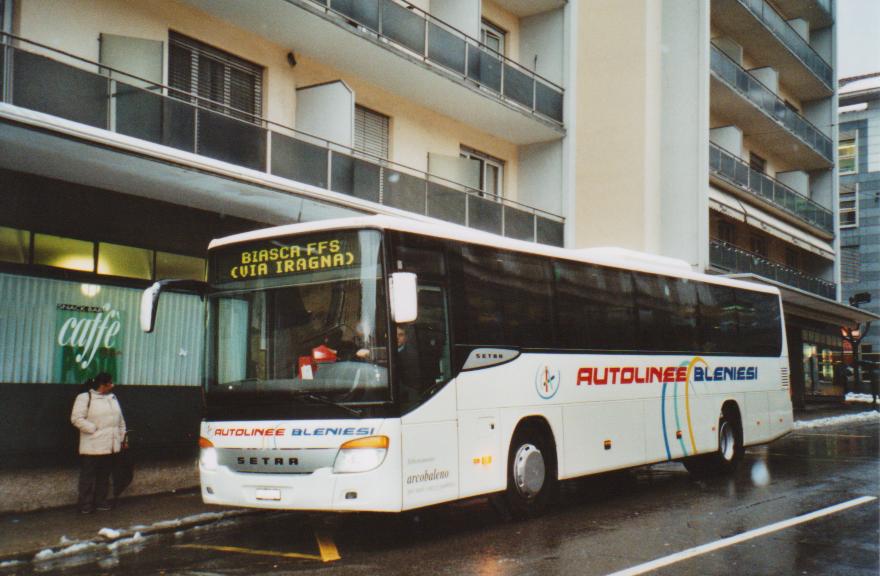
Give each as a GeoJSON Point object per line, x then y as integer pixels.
{"type": "Point", "coordinates": [614, 257]}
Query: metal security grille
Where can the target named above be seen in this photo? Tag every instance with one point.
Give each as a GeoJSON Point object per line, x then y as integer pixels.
{"type": "Point", "coordinates": [371, 132]}
{"type": "Point", "coordinates": [232, 85]}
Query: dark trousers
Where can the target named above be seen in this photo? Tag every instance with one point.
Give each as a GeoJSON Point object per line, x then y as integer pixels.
{"type": "Point", "coordinates": [94, 478]}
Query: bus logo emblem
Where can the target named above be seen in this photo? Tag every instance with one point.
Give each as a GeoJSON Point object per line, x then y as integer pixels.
{"type": "Point", "coordinates": [547, 382]}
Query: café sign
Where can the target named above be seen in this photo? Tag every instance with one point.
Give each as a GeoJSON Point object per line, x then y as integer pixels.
{"type": "Point", "coordinates": [88, 340]}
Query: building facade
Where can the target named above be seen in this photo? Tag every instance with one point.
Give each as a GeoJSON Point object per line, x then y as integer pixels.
{"type": "Point", "coordinates": [761, 129]}
{"type": "Point", "coordinates": [131, 133]}
{"type": "Point", "coordinates": [859, 170]}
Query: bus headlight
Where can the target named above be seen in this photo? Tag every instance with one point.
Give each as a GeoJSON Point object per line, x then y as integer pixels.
{"type": "Point", "coordinates": [361, 454]}
{"type": "Point", "coordinates": [207, 454]}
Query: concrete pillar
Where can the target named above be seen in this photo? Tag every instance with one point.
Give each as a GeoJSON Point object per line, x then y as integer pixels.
{"type": "Point", "coordinates": [728, 137]}
{"type": "Point", "coordinates": [797, 180]}
{"type": "Point", "coordinates": [767, 76]}
{"type": "Point", "coordinates": [802, 27]}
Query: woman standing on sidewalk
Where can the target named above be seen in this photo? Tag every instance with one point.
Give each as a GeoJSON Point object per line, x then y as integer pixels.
{"type": "Point", "coordinates": [98, 417]}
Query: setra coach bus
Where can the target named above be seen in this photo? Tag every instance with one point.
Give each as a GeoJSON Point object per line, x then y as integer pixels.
{"type": "Point", "coordinates": [383, 364]}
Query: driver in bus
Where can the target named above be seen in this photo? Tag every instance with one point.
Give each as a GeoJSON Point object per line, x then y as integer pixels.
{"type": "Point", "coordinates": [354, 349]}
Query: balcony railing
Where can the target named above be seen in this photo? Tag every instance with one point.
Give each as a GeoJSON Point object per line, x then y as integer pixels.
{"type": "Point", "coordinates": [780, 28]}
{"type": "Point", "coordinates": [728, 257]}
{"type": "Point", "coordinates": [437, 42]}
{"type": "Point", "coordinates": [736, 172]}
{"type": "Point", "coordinates": [764, 98]}
{"type": "Point", "coordinates": [95, 95]}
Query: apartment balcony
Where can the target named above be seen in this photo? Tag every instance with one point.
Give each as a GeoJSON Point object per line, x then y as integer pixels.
{"type": "Point", "coordinates": [525, 8]}
{"type": "Point", "coordinates": [816, 12]}
{"type": "Point", "coordinates": [756, 24]}
{"type": "Point", "coordinates": [738, 177]}
{"type": "Point", "coordinates": [739, 98]}
{"type": "Point", "coordinates": [732, 259]}
{"type": "Point", "coordinates": [82, 91]}
{"type": "Point", "coordinates": [407, 51]}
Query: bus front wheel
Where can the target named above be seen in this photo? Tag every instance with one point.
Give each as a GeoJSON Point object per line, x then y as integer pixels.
{"type": "Point", "coordinates": [531, 473]}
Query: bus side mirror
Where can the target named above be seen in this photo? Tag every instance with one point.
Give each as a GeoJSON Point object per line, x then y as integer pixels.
{"type": "Point", "coordinates": [150, 298]}
{"type": "Point", "coordinates": [149, 305]}
{"type": "Point", "coordinates": [404, 297]}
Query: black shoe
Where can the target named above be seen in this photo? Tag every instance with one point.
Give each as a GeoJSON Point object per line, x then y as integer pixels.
{"type": "Point", "coordinates": [104, 507]}
{"type": "Point", "coordinates": [85, 510]}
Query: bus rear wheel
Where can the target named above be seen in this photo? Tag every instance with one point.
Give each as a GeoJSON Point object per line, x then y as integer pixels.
{"type": "Point", "coordinates": [531, 474]}
{"type": "Point", "coordinates": [730, 451]}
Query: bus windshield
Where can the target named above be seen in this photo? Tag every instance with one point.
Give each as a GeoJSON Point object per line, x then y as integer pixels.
{"type": "Point", "coordinates": [299, 317]}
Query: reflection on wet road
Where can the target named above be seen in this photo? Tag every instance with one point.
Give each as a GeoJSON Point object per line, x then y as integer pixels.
{"type": "Point", "coordinates": [602, 525]}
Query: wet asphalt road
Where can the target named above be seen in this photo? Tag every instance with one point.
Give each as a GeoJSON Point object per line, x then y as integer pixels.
{"type": "Point", "coordinates": [601, 525]}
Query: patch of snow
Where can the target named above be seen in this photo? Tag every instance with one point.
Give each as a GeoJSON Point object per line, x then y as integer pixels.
{"type": "Point", "coordinates": [49, 554]}
{"type": "Point", "coordinates": [204, 521]}
{"type": "Point", "coordinates": [136, 539]}
{"type": "Point", "coordinates": [109, 533]}
{"type": "Point", "coordinates": [858, 397]}
{"type": "Point", "coordinates": [845, 419]}
{"type": "Point", "coordinates": [9, 563]}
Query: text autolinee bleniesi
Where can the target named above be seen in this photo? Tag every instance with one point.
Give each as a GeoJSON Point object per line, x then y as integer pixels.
{"type": "Point", "coordinates": [593, 376]}
{"type": "Point", "coordinates": [311, 257]}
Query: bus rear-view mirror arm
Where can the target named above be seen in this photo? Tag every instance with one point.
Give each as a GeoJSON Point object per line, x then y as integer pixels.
{"type": "Point", "coordinates": [150, 298]}
{"type": "Point", "coordinates": [404, 297]}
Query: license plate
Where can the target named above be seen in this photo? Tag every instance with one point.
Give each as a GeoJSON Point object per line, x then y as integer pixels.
{"type": "Point", "coordinates": [268, 494]}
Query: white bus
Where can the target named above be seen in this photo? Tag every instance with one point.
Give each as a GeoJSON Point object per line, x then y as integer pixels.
{"type": "Point", "coordinates": [381, 364]}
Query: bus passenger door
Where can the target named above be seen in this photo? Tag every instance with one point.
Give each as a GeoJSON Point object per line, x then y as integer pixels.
{"type": "Point", "coordinates": [429, 429]}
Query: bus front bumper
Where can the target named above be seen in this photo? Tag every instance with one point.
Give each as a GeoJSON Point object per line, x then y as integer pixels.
{"type": "Point", "coordinates": [376, 490]}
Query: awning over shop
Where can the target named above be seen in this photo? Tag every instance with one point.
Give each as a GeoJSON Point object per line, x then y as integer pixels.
{"type": "Point", "coordinates": [796, 302]}
{"type": "Point", "coordinates": [727, 204]}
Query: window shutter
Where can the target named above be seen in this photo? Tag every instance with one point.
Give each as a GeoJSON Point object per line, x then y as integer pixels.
{"type": "Point", "coordinates": [371, 132]}
{"type": "Point", "coordinates": [232, 83]}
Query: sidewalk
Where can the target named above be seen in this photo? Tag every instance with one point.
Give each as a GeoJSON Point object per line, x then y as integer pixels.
{"type": "Point", "coordinates": [35, 535]}
{"type": "Point", "coordinates": [817, 410]}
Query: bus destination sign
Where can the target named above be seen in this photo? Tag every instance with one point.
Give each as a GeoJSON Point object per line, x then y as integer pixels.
{"type": "Point", "coordinates": [285, 257]}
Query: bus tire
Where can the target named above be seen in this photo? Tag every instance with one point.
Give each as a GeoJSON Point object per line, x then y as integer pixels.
{"type": "Point", "coordinates": [531, 473]}
{"type": "Point", "coordinates": [730, 451]}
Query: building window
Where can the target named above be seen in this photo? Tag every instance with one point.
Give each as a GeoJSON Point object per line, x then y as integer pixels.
{"type": "Point", "coordinates": [726, 232]}
{"type": "Point", "coordinates": [103, 258]}
{"type": "Point", "coordinates": [849, 205]}
{"type": "Point", "coordinates": [848, 153]}
{"type": "Point", "coordinates": [849, 264]}
{"type": "Point", "coordinates": [221, 80]}
{"type": "Point", "coordinates": [60, 252]}
{"type": "Point", "coordinates": [758, 245]}
{"type": "Point", "coordinates": [127, 261]}
{"type": "Point", "coordinates": [492, 36]}
{"type": "Point", "coordinates": [757, 163]}
{"type": "Point", "coordinates": [371, 132]}
{"type": "Point", "coordinates": [491, 171]}
{"type": "Point", "coordinates": [15, 245]}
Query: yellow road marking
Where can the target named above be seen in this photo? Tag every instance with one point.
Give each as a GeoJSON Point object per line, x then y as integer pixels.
{"type": "Point", "coordinates": [255, 552]}
{"type": "Point", "coordinates": [329, 552]}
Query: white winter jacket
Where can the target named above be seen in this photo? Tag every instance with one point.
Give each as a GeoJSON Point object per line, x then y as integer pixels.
{"type": "Point", "coordinates": [101, 425]}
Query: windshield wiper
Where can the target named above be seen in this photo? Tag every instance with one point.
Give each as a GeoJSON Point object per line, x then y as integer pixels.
{"type": "Point", "coordinates": [321, 399]}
